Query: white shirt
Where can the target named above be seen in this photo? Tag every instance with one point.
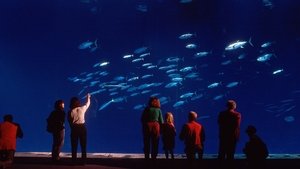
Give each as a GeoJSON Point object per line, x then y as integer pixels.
{"type": "Point", "coordinates": [77, 114]}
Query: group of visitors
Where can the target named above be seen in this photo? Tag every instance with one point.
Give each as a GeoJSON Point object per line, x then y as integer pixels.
{"type": "Point", "coordinates": [193, 134]}
{"type": "Point", "coordinates": [153, 126]}
{"type": "Point", "coordinates": [76, 119]}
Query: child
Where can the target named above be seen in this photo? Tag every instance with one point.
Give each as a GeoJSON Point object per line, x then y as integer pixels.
{"type": "Point", "coordinates": [168, 135]}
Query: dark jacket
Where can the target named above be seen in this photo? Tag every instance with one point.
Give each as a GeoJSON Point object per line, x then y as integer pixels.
{"type": "Point", "coordinates": [56, 121]}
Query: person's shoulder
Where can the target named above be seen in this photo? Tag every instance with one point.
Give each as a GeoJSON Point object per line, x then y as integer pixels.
{"type": "Point", "coordinates": [237, 113]}
{"type": "Point", "coordinates": [198, 124]}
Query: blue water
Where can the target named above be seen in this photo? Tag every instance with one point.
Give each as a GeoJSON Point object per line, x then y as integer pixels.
{"type": "Point", "coordinates": [58, 49]}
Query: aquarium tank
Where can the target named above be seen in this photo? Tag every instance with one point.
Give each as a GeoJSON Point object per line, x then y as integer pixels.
{"type": "Point", "coordinates": [193, 55]}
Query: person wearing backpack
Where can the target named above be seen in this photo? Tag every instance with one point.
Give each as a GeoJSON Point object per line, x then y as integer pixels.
{"type": "Point", "coordinates": [56, 126]}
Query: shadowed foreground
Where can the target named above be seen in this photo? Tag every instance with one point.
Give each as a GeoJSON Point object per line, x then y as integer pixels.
{"type": "Point", "coordinates": [138, 163]}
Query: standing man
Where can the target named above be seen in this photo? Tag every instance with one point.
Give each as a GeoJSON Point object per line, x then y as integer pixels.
{"type": "Point", "coordinates": [229, 131]}
{"type": "Point", "coordinates": [56, 125]}
{"type": "Point", "coordinates": [192, 133]}
{"type": "Point", "coordinates": [9, 132]}
{"type": "Point", "coordinates": [76, 117]}
{"type": "Point", "coordinates": [151, 121]}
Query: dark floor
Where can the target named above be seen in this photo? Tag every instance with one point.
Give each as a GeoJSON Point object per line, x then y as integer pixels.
{"type": "Point", "coordinates": [139, 163]}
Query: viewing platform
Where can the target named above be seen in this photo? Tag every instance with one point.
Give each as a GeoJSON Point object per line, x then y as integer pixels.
{"type": "Point", "coordinates": [38, 160]}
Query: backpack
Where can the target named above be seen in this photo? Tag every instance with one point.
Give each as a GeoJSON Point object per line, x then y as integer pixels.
{"type": "Point", "coordinates": [50, 125]}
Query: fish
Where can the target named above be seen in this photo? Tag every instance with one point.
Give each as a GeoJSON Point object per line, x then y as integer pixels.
{"type": "Point", "coordinates": [289, 119]}
{"type": "Point", "coordinates": [139, 107]}
{"type": "Point", "coordinates": [266, 44]}
{"type": "Point", "coordinates": [171, 71]}
{"type": "Point", "coordinates": [264, 57]}
{"type": "Point", "coordinates": [89, 45]}
{"type": "Point", "coordinates": [201, 54]}
{"type": "Point", "coordinates": [192, 75]}
{"type": "Point", "coordinates": [118, 99]}
{"type": "Point", "coordinates": [178, 104]}
{"type": "Point", "coordinates": [232, 84]}
{"type": "Point", "coordinates": [171, 84]}
{"type": "Point", "coordinates": [133, 79]}
{"type": "Point", "coordinates": [174, 75]}
{"type": "Point", "coordinates": [140, 50]}
{"type": "Point", "coordinates": [238, 44]}
{"type": "Point", "coordinates": [152, 67]}
{"type": "Point", "coordinates": [167, 67]}
{"type": "Point", "coordinates": [111, 86]}
{"type": "Point", "coordinates": [277, 71]}
{"type": "Point", "coordinates": [186, 36]}
{"type": "Point", "coordinates": [144, 55]}
{"type": "Point", "coordinates": [113, 93]}
{"type": "Point", "coordinates": [142, 7]}
{"type": "Point", "coordinates": [177, 79]}
{"type": "Point", "coordinates": [137, 60]}
{"type": "Point", "coordinates": [128, 56]}
{"type": "Point", "coordinates": [145, 91]}
{"type": "Point", "coordinates": [197, 97]}
{"type": "Point", "coordinates": [268, 4]}
{"type": "Point", "coordinates": [226, 62]}
{"type": "Point", "coordinates": [187, 69]}
{"type": "Point", "coordinates": [147, 76]}
{"type": "Point", "coordinates": [146, 64]}
{"type": "Point", "coordinates": [213, 85]}
{"type": "Point", "coordinates": [105, 105]}
{"type": "Point", "coordinates": [218, 97]}
{"type": "Point", "coordinates": [103, 64]}
{"type": "Point", "coordinates": [186, 95]}
{"type": "Point", "coordinates": [174, 59]}
{"type": "Point", "coordinates": [191, 46]}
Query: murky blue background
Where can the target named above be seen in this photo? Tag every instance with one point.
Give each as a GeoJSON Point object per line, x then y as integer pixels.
{"type": "Point", "coordinates": [40, 62]}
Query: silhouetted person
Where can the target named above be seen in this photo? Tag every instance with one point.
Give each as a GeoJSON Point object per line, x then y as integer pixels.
{"type": "Point", "coordinates": [168, 135]}
{"type": "Point", "coordinates": [192, 133]}
{"type": "Point", "coordinates": [76, 117]}
{"type": "Point", "coordinates": [255, 149]}
{"type": "Point", "coordinates": [151, 120]}
{"type": "Point", "coordinates": [9, 132]}
{"type": "Point", "coordinates": [229, 131]}
{"type": "Point", "coordinates": [56, 125]}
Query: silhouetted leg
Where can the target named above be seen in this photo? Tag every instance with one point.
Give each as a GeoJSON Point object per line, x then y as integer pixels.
{"type": "Point", "coordinates": [146, 145]}
{"type": "Point", "coordinates": [74, 142]}
{"type": "Point", "coordinates": [154, 148]}
{"type": "Point", "coordinates": [58, 141]}
{"type": "Point", "coordinates": [167, 154]}
{"type": "Point", "coordinates": [83, 143]}
{"type": "Point", "coordinates": [172, 154]}
{"type": "Point", "coordinates": [200, 154]}
{"type": "Point", "coordinates": [221, 153]}
{"type": "Point", "coordinates": [155, 130]}
{"type": "Point", "coordinates": [53, 153]}
{"type": "Point", "coordinates": [190, 154]}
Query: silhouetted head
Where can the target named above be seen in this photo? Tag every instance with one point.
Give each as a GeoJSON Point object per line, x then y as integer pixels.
{"type": "Point", "coordinates": [75, 102]}
{"type": "Point", "coordinates": [59, 105]}
{"type": "Point", "coordinates": [8, 117]}
{"type": "Point", "coordinates": [154, 102]}
{"type": "Point", "coordinates": [231, 104]}
{"type": "Point", "coordinates": [192, 116]}
{"type": "Point", "coordinates": [251, 130]}
{"type": "Point", "coordinates": [169, 117]}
